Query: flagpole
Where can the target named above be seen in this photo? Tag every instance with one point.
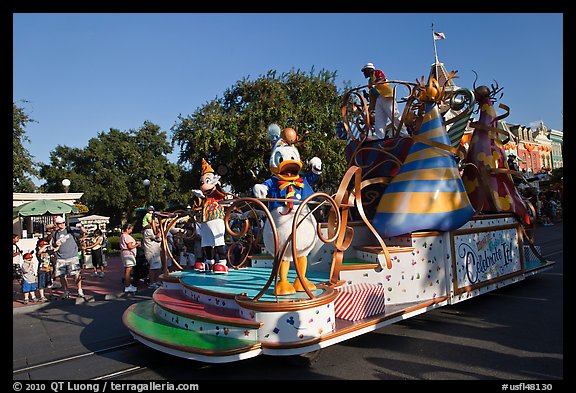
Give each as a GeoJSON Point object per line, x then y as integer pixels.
{"type": "Point", "coordinates": [434, 41]}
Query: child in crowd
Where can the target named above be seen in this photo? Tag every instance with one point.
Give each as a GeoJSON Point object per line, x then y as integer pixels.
{"type": "Point", "coordinates": [28, 278]}
{"type": "Point", "coordinates": [148, 219]}
{"type": "Point", "coordinates": [44, 269]}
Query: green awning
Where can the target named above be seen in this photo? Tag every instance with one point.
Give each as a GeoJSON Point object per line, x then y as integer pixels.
{"type": "Point", "coordinates": [43, 207]}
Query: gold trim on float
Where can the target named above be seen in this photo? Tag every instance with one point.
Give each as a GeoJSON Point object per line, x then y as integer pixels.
{"type": "Point", "coordinates": [289, 305]}
{"type": "Point", "coordinates": [491, 216]}
{"type": "Point", "coordinates": [425, 233]}
{"type": "Point", "coordinates": [171, 279]}
{"type": "Point", "coordinates": [357, 325]}
{"type": "Point", "coordinates": [378, 249]}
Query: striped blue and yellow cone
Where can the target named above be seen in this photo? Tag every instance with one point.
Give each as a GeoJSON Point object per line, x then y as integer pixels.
{"type": "Point", "coordinates": [427, 193]}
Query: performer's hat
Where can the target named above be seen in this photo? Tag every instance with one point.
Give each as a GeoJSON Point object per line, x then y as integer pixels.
{"type": "Point", "coordinates": [206, 168]}
{"type": "Point", "coordinates": [367, 66]}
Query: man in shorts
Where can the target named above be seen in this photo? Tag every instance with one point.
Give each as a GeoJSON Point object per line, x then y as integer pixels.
{"type": "Point", "coordinates": [67, 262]}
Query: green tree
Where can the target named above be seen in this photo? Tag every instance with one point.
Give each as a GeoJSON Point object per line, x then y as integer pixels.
{"type": "Point", "coordinates": [233, 130]}
{"type": "Point", "coordinates": [111, 169]}
{"type": "Point", "coordinates": [23, 165]}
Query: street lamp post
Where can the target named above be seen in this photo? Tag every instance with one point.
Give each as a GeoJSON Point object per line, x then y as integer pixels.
{"type": "Point", "coordinates": [146, 183]}
{"type": "Point", "coordinates": [66, 184]}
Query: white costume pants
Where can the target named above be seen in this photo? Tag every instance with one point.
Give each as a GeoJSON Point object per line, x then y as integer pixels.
{"type": "Point", "coordinates": [383, 111]}
{"type": "Point", "coordinates": [212, 233]}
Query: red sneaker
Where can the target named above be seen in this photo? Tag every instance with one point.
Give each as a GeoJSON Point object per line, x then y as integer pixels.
{"type": "Point", "coordinates": [219, 268]}
{"type": "Point", "coordinates": [199, 267]}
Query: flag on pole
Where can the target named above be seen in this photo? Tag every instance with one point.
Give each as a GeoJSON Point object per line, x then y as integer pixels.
{"type": "Point", "coordinates": [439, 36]}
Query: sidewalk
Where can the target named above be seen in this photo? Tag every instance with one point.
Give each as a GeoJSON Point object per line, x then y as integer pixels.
{"type": "Point", "coordinates": [95, 288]}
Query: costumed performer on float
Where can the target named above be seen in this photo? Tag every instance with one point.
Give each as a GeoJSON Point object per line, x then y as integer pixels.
{"type": "Point", "coordinates": [286, 183]}
{"type": "Point", "coordinates": [212, 226]}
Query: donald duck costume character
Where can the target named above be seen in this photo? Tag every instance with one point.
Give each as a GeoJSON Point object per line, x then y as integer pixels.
{"type": "Point", "coordinates": [212, 226]}
{"type": "Point", "coordinates": [286, 183]}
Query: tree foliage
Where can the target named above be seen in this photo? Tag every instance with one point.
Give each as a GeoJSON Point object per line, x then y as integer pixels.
{"type": "Point", "coordinates": [232, 130]}
{"type": "Point", "coordinates": [229, 132]}
{"type": "Point", "coordinates": [23, 165]}
{"type": "Point", "coordinates": [111, 169]}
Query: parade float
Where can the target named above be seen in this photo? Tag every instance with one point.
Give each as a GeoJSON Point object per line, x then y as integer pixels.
{"type": "Point", "coordinates": [417, 223]}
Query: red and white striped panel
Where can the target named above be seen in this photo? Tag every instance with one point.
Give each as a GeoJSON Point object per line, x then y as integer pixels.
{"type": "Point", "coordinates": [359, 301]}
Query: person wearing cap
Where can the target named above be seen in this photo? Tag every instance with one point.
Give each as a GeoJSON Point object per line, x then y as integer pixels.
{"type": "Point", "coordinates": [148, 219]}
{"type": "Point", "coordinates": [65, 245]}
{"type": "Point", "coordinates": [28, 278]}
{"type": "Point", "coordinates": [381, 102]}
{"type": "Point", "coordinates": [44, 268]}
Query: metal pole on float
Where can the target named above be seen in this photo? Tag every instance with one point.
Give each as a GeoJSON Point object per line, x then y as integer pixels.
{"type": "Point", "coordinates": [434, 41]}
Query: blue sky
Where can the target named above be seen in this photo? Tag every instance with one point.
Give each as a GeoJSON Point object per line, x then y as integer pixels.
{"type": "Point", "coordinates": [88, 72]}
